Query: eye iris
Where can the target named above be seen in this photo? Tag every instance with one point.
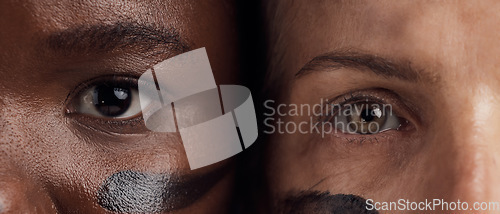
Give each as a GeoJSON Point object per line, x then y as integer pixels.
{"type": "Point", "coordinates": [367, 121]}
{"type": "Point", "coordinates": [111, 101]}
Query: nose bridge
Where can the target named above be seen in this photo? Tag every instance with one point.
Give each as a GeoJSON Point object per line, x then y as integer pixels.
{"type": "Point", "coordinates": [475, 126]}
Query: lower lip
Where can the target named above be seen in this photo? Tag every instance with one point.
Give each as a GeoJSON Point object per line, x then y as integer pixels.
{"type": "Point", "coordinates": [140, 192]}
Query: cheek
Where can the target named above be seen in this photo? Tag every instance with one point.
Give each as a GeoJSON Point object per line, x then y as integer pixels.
{"type": "Point", "coordinates": [67, 166]}
{"type": "Point", "coordinates": [34, 141]}
{"type": "Point", "coordinates": [71, 164]}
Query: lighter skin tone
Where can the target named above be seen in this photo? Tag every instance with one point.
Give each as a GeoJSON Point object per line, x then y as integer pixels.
{"type": "Point", "coordinates": [53, 157]}
{"type": "Point", "coordinates": [444, 88]}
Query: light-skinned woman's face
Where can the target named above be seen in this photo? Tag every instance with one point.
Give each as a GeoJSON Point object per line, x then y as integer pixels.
{"type": "Point", "coordinates": [72, 137]}
{"type": "Point", "coordinates": [424, 77]}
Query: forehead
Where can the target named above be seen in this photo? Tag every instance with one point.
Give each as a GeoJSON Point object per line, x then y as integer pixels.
{"type": "Point", "coordinates": [446, 36]}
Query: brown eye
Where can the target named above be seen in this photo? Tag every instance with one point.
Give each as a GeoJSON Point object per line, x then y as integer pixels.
{"type": "Point", "coordinates": [365, 118]}
{"type": "Point", "coordinates": [111, 101]}
{"type": "Point", "coordinates": [115, 98]}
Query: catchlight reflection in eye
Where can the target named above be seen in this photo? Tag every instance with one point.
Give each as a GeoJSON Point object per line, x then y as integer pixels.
{"type": "Point", "coordinates": [109, 101]}
{"type": "Point", "coordinates": [366, 119]}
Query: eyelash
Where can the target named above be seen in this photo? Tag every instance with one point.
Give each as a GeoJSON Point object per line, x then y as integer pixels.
{"type": "Point", "coordinates": [124, 80]}
{"type": "Point", "coordinates": [350, 99]}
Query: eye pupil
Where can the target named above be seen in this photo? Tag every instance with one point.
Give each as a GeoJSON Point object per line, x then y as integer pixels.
{"type": "Point", "coordinates": [111, 101]}
{"type": "Point", "coordinates": [367, 115]}
{"type": "Point", "coordinates": [366, 120]}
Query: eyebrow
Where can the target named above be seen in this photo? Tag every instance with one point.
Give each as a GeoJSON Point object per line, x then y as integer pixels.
{"type": "Point", "coordinates": [363, 62]}
{"type": "Point", "coordinates": [108, 37]}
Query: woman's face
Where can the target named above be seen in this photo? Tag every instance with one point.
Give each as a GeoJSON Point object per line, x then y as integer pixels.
{"type": "Point", "coordinates": [422, 80]}
{"type": "Point", "coordinates": [60, 150]}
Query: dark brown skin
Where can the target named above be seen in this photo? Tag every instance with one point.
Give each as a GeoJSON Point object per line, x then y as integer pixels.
{"type": "Point", "coordinates": [450, 150]}
{"type": "Point", "coordinates": [54, 158]}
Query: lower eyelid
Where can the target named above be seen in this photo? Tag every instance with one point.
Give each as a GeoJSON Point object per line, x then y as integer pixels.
{"type": "Point", "coordinates": [134, 125]}
{"type": "Point", "coordinates": [392, 147]}
{"type": "Point", "coordinates": [385, 137]}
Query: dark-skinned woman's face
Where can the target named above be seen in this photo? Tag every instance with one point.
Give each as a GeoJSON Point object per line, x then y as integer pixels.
{"type": "Point", "coordinates": [72, 137]}
{"type": "Point", "coordinates": [421, 79]}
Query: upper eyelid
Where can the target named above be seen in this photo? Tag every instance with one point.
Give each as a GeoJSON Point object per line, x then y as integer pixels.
{"type": "Point", "coordinates": [352, 99]}
{"type": "Point", "coordinates": [338, 106]}
{"type": "Point", "coordinates": [89, 83]}
{"type": "Point", "coordinates": [369, 94]}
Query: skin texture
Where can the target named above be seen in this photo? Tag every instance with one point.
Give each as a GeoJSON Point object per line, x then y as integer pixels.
{"type": "Point", "coordinates": [449, 148]}
{"type": "Point", "coordinates": [56, 159]}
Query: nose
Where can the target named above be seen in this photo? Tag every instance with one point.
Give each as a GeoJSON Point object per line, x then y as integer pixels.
{"type": "Point", "coordinates": [20, 194]}
{"type": "Point", "coordinates": [466, 153]}
{"type": "Point", "coordinates": [480, 145]}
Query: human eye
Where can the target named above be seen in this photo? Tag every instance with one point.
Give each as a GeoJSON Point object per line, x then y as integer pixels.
{"type": "Point", "coordinates": [366, 117]}
{"type": "Point", "coordinates": [368, 112]}
{"type": "Point", "coordinates": [107, 98]}
{"type": "Point", "coordinates": [110, 104]}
